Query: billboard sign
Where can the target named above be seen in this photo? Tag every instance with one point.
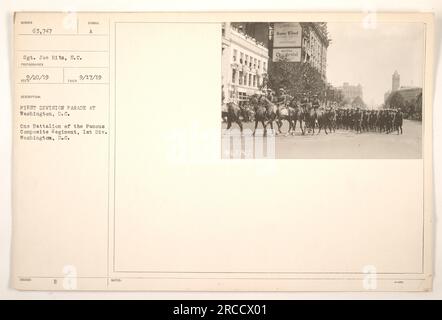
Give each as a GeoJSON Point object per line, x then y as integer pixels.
{"type": "Point", "coordinates": [287, 34]}
{"type": "Point", "coordinates": [287, 54]}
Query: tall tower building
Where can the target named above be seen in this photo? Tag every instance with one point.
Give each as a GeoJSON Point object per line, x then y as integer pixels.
{"type": "Point", "coordinates": [395, 81]}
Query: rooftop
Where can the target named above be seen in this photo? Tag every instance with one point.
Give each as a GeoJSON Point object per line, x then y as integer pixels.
{"type": "Point", "coordinates": [247, 38]}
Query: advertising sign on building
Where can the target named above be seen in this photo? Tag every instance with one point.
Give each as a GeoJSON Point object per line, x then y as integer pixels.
{"type": "Point", "coordinates": [287, 34]}
{"type": "Point", "coordinates": [287, 54]}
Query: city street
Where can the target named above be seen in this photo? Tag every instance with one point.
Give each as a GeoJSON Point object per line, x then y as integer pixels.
{"type": "Point", "coordinates": [345, 144]}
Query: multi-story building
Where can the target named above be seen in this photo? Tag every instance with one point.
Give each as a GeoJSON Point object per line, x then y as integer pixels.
{"type": "Point", "coordinates": [350, 92]}
{"type": "Point", "coordinates": [305, 42]}
{"type": "Point", "coordinates": [315, 43]}
{"type": "Point", "coordinates": [395, 81]}
{"type": "Point", "coordinates": [408, 93]}
{"type": "Point", "coordinates": [244, 63]}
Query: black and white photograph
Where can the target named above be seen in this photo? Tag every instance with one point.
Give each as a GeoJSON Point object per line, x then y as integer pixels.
{"type": "Point", "coordinates": [305, 90]}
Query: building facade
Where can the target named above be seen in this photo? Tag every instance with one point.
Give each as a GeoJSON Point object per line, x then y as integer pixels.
{"type": "Point", "coordinates": [350, 92]}
{"type": "Point", "coordinates": [408, 93]}
{"type": "Point", "coordinates": [314, 46]}
{"type": "Point", "coordinates": [395, 81]}
{"type": "Point", "coordinates": [299, 42]}
{"type": "Point", "coordinates": [244, 64]}
{"type": "Point", "coordinates": [303, 42]}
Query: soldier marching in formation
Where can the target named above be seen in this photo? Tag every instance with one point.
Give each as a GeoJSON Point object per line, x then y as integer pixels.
{"type": "Point", "coordinates": [361, 120]}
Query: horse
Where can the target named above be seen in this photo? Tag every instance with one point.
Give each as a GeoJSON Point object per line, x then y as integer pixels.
{"type": "Point", "coordinates": [233, 115]}
{"type": "Point", "coordinates": [224, 112]}
{"type": "Point", "coordinates": [284, 112]}
{"type": "Point", "coordinates": [264, 111]}
{"type": "Point", "coordinates": [259, 111]}
{"type": "Point", "coordinates": [296, 113]}
{"type": "Point", "coordinates": [310, 116]}
{"type": "Point", "coordinates": [247, 112]}
{"type": "Point", "coordinates": [322, 119]}
{"type": "Point", "coordinates": [271, 112]}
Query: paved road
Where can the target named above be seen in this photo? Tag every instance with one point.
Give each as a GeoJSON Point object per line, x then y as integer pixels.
{"type": "Point", "coordinates": [341, 144]}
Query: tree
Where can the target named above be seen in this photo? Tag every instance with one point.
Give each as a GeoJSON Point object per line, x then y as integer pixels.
{"type": "Point", "coordinates": [418, 107]}
{"type": "Point", "coordinates": [409, 109]}
{"type": "Point", "coordinates": [346, 101]}
{"type": "Point", "coordinates": [336, 95]}
{"type": "Point", "coordinates": [339, 97]}
{"type": "Point", "coordinates": [297, 78]}
{"type": "Point", "coordinates": [358, 102]}
{"type": "Point", "coordinates": [313, 82]}
{"type": "Point", "coordinates": [396, 101]}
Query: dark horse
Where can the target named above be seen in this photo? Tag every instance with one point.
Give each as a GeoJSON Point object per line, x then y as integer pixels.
{"type": "Point", "coordinates": [296, 113]}
{"type": "Point", "coordinates": [310, 116]}
{"type": "Point", "coordinates": [316, 117]}
{"type": "Point", "coordinates": [265, 112]}
{"type": "Point", "coordinates": [284, 112]}
{"type": "Point", "coordinates": [233, 115]}
{"type": "Point", "coordinates": [323, 120]}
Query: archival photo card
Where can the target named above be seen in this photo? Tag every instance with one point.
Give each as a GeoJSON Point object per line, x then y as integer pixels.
{"type": "Point", "coordinates": [194, 151]}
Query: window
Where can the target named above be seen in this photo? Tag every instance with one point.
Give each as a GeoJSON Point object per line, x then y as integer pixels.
{"type": "Point", "coordinates": [247, 60]}
{"type": "Point", "coordinates": [233, 76]}
{"type": "Point", "coordinates": [241, 59]}
{"type": "Point", "coordinates": [259, 64]}
{"type": "Point", "coordinates": [234, 55]}
{"type": "Point", "coordinates": [254, 80]}
{"type": "Point", "coordinates": [254, 63]}
{"type": "Point", "coordinates": [250, 80]}
{"type": "Point", "coordinates": [245, 79]}
{"type": "Point", "coordinates": [240, 77]}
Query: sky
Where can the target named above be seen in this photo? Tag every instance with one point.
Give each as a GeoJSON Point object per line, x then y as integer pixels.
{"type": "Point", "coordinates": [370, 56]}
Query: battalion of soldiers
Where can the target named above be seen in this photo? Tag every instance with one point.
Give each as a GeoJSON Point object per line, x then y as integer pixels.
{"type": "Point", "coordinates": [268, 108]}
